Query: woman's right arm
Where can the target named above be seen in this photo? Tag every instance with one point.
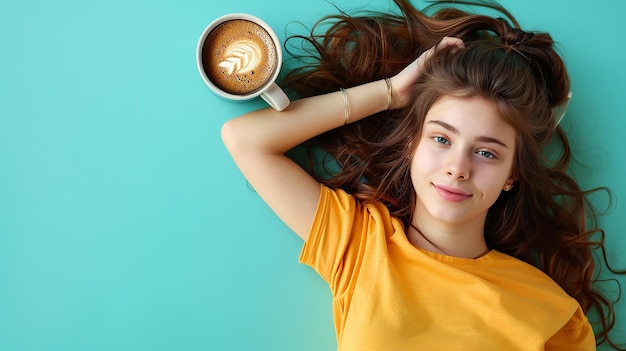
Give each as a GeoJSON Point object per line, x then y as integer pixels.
{"type": "Point", "coordinates": [259, 140]}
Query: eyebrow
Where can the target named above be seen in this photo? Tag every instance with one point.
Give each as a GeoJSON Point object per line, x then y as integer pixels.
{"type": "Point", "coordinates": [484, 139]}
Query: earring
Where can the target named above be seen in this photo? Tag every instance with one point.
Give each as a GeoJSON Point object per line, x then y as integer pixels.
{"type": "Point", "coordinates": [508, 186]}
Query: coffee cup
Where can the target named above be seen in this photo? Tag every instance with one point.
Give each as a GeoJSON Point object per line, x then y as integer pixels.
{"type": "Point", "coordinates": [239, 58]}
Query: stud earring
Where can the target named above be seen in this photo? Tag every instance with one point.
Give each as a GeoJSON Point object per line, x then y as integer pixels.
{"type": "Point", "coordinates": [508, 186]}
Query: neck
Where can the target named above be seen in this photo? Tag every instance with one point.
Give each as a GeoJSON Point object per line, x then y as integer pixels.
{"type": "Point", "coordinates": [466, 240]}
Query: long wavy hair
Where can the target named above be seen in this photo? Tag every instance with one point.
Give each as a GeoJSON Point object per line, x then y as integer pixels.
{"type": "Point", "coordinates": [546, 219]}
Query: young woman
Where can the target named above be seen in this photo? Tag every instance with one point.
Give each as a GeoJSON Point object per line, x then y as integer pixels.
{"type": "Point", "coordinates": [440, 224]}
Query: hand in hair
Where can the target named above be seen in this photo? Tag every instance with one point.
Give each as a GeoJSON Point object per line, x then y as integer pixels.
{"type": "Point", "coordinates": [403, 81]}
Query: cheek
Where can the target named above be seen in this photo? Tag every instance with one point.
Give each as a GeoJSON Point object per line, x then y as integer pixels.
{"type": "Point", "coordinates": [421, 163]}
{"type": "Point", "coordinates": [423, 156]}
{"type": "Point", "coordinates": [492, 183]}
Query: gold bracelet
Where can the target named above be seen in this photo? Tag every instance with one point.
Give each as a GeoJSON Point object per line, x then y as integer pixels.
{"type": "Point", "coordinates": [389, 97]}
{"type": "Point", "coordinates": [346, 106]}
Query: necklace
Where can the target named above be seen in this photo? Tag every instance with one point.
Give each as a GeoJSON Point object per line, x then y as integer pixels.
{"type": "Point", "coordinates": [442, 250]}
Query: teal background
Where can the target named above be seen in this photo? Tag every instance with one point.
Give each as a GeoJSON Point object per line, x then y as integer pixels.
{"type": "Point", "coordinates": [124, 224]}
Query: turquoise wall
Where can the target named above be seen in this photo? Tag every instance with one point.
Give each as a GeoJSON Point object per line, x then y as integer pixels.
{"type": "Point", "coordinates": [124, 225]}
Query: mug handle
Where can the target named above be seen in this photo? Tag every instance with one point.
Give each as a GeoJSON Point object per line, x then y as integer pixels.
{"type": "Point", "coordinates": [276, 97]}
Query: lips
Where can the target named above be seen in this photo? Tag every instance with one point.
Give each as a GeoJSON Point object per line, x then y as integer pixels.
{"type": "Point", "coordinates": [451, 194]}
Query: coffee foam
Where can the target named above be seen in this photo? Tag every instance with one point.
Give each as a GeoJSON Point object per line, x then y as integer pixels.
{"type": "Point", "coordinates": [242, 57]}
{"type": "Point", "coordinates": [239, 56]}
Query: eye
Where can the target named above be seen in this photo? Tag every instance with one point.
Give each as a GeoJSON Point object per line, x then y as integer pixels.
{"type": "Point", "coordinates": [441, 140]}
{"type": "Point", "coordinates": [486, 154]}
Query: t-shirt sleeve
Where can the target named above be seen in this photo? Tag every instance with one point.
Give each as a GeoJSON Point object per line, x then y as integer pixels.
{"type": "Point", "coordinates": [336, 243]}
{"type": "Point", "coordinates": [576, 335]}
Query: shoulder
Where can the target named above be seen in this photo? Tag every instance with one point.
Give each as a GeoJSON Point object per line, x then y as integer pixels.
{"type": "Point", "coordinates": [531, 282]}
{"type": "Point", "coordinates": [345, 232]}
{"type": "Point", "coordinates": [525, 272]}
{"type": "Point", "coordinates": [576, 335]}
{"type": "Point", "coordinates": [338, 202]}
{"type": "Point", "coordinates": [535, 296]}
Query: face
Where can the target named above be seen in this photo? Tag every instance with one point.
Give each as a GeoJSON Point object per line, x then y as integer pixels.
{"type": "Point", "coordinates": [462, 161]}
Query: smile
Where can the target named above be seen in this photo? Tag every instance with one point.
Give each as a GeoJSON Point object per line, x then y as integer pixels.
{"type": "Point", "coordinates": [451, 194]}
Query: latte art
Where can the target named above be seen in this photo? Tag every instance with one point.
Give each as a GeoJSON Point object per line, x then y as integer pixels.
{"type": "Point", "coordinates": [241, 57]}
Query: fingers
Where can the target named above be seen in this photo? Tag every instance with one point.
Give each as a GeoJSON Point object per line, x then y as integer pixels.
{"type": "Point", "coordinates": [450, 43]}
{"type": "Point", "coordinates": [402, 81]}
{"type": "Point", "coordinates": [446, 45]}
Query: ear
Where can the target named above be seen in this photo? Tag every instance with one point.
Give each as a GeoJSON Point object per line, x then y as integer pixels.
{"type": "Point", "coordinates": [509, 183]}
{"type": "Point", "coordinates": [512, 178]}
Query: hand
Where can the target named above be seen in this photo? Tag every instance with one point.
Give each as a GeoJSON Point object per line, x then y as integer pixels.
{"type": "Point", "coordinates": [403, 81]}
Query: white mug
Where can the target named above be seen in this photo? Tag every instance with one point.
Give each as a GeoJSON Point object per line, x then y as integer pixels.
{"type": "Point", "coordinates": [232, 64]}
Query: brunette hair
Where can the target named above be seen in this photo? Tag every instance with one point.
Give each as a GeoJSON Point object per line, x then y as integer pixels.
{"type": "Point", "coordinates": [546, 219]}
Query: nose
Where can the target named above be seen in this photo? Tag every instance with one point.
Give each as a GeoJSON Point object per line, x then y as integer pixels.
{"type": "Point", "coordinates": [458, 165]}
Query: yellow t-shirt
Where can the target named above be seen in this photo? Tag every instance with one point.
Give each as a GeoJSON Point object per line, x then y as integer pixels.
{"type": "Point", "coordinates": [389, 295]}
